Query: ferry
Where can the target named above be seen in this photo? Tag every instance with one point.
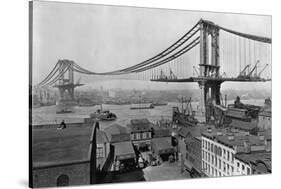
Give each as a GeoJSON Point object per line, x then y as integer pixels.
{"type": "Point", "coordinates": [142, 106]}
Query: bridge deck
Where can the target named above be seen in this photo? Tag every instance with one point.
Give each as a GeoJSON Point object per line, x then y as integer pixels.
{"type": "Point", "coordinates": [218, 79]}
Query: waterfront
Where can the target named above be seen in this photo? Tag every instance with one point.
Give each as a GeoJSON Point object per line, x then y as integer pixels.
{"type": "Point", "coordinates": [47, 114]}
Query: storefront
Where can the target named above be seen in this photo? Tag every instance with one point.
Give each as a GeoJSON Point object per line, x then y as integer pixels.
{"type": "Point", "coordinates": [163, 147]}
{"type": "Point", "coordinates": [124, 156]}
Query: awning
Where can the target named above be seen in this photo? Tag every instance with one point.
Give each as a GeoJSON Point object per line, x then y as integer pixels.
{"type": "Point", "coordinates": [124, 150]}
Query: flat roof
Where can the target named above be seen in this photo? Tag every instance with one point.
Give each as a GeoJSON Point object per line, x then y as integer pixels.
{"type": "Point", "coordinates": [244, 125]}
{"type": "Point", "coordinates": [140, 125]}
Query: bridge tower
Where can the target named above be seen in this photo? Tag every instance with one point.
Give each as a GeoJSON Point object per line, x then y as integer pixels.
{"type": "Point", "coordinates": [209, 67]}
{"type": "Point", "coordinates": [66, 83]}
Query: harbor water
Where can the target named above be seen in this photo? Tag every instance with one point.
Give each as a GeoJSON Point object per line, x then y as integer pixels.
{"type": "Point", "coordinates": [47, 114]}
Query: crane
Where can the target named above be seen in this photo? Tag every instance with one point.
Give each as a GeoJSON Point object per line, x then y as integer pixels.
{"type": "Point", "coordinates": [195, 70]}
{"type": "Point", "coordinates": [255, 68]}
{"type": "Point", "coordinates": [243, 72]}
{"type": "Point", "coordinates": [259, 74]}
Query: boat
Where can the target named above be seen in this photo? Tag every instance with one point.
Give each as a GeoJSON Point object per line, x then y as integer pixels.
{"type": "Point", "coordinates": [103, 115]}
{"type": "Point", "coordinates": [142, 106]}
{"type": "Point", "coordinates": [187, 116]}
{"type": "Point", "coordinates": [160, 104]}
{"type": "Point", "coordinates": [63, 111]}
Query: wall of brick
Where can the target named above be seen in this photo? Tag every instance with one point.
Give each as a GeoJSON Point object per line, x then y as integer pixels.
{"type": "Point", "coordinates": [78, 173]}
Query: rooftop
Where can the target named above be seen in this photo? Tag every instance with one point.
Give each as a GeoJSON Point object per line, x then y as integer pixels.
{"type": "Point", "coordinates": [243, 125]}
{"type": "Point", "coordinates": [58, 146]}
{"type": "Point", "coordinates": [117, 133]}
{"type": "Point", "coordinates": [236, 138]}
{"type": "Point", "coordinates": [161, 132]}
{"type": "Point", "coordinates": [101, 137]}
{"type": "Point", "coordinates": [124, 150]}
{"type": "Point", "coordinates": [193, 131]}
{"type": "Point", "coordinates": [255, 158]}
{"type": "Point", "coordinates": [266, 112]}
{"type": "Point", "coordinates": [140, 125]}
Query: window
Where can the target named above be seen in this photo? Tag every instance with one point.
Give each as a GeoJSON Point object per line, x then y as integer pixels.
{"type": "Point", "coordinates": [63, 180]}
{"type": "Point", "coordinates": [216, 161]}
{"type": "Point", "coordinates": [248, 171]}
{"type": "Point", "coordinates": [224, 168]}
{"type": "Point", "coordinates": [140, 135]}
{"type": "Point", "coordinates": [99, 152]}
{"type": "Point", "coordinates": [219, 164]}
{"type": "Point", "coordinates": [238, 164]}
{"type": "Point", "coordinates": [232, 157]}
{"type": "Point", "coordinates": [220, 151]}
{"type": "Point", "coordinates": [228, 156]}
{"type": "Point", "coordinates": [212, 159]}
{"type": "Point", "coordinates": [212, 148]}
{"type": "Point", "coordinates": [232, 169]}
{"type": "Point", "coordinates": [243, 167]}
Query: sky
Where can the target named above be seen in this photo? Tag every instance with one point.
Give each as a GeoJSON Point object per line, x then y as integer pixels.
{"type": "Point", "coordinates": [105, 38]}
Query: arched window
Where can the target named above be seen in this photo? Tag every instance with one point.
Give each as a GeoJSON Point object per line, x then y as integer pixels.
{"type": "Point", "coordinates": [63, 180]}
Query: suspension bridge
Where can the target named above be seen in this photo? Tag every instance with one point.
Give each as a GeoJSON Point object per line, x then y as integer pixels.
{"type": "Point", "coordinates": [208, 54]}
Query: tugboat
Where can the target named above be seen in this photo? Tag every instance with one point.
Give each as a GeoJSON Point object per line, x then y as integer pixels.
{"type": "Point", "coordinates": [103, 115]}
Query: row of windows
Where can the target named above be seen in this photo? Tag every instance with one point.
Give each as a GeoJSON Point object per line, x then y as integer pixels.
{"type": "Point", "coordinates": [226, 168]}
{"type": "Point", "coordinates": [137, 136]}
{"type": "Point", "coordinates": [243, 168]}
{"type": "Point", "coordinates": [217, 150]}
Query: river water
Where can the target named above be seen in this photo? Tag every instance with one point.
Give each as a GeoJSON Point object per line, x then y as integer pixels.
{"type": "Point", "coordinates": [47, 114]}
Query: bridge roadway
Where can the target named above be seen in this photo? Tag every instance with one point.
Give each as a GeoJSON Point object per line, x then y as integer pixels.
{"type": "Point", "coordinates": [210, 79]}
